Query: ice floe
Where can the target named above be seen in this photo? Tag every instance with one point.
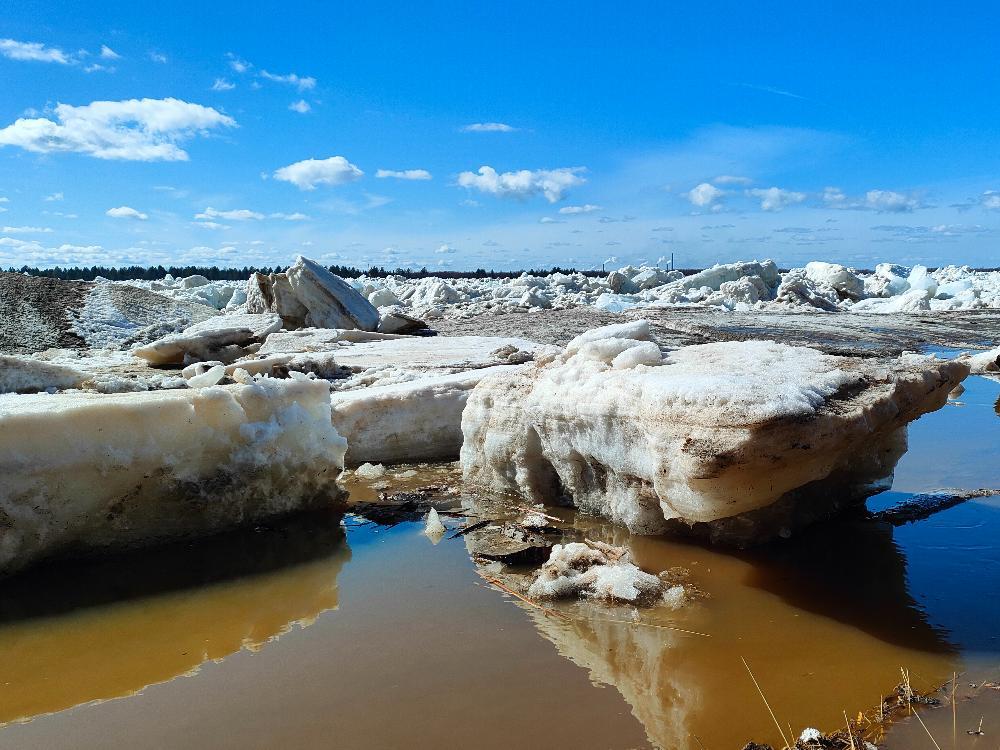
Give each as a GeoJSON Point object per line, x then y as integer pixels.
{"type": "Point", "coordinates": [722, 439]}
{"type": "Point", "coordinates": [93, 471]}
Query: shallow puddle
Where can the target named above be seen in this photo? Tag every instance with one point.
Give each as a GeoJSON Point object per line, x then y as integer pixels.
{"type": "Point", "coordinates": [310, 633]}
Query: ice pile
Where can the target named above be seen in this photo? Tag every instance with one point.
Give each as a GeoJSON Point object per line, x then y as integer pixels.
{"type": "Point", "coordinates": [86, 471]}
{"type": "Point", "coordinates": [726, 440]}
{"type": "Point", "coordinates": [225, 337]}
{"type": "Point", "coordinates": [595, 570]}
{"type": "Point", "coordinates": [401, 303]}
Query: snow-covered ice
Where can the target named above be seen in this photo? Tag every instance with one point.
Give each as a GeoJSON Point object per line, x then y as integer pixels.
{"type": "Point", "coordinates": [91, 471]}
{"type": "Point", "coordinates": [595, 570]}
{"type": "Point", "coordinates": [723, 438]}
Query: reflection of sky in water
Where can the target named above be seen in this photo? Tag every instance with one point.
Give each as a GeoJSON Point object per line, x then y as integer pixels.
{"type": "Point", "coordinates": [953, 557]}
{"type": "Point", "coordinates": [957, 446]}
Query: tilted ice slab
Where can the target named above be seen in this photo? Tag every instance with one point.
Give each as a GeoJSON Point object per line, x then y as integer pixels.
{"type": "Point", "coordinates": [729, 440]}
{"type": "Point", "coordinates": [85, 471]}
{"type": "Point", "coordinates": [331, 302]}
{"type": "Point", "coordinates": [220, 337]}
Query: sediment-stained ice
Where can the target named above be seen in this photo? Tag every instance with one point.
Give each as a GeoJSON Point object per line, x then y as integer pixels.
{"type": "Point", "coordinates": [329, 300]}
{"type": "Point", "coordinates": [737, 441]}
{"type": "Point", "coordinates": [87, 471]}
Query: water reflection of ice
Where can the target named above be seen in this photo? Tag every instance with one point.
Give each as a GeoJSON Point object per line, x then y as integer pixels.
{"type": "Point", "coordinates": [106, 628]}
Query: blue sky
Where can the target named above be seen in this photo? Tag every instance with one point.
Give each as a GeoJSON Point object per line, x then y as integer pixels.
{"type": "Point", "coordinates": [516, 134]}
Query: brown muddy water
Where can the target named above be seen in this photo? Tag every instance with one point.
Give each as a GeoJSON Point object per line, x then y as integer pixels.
{"type": "Point", "coordinates": [313, 633]}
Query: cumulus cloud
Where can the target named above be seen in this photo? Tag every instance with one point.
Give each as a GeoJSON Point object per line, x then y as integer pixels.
{"type": "Point", "coordinates": [404, 174]}
{"type": "Point", "coordinates": [53, 197]}
{"type": "Point", "coordinates": [588, 208]}
{"type": "Point", "coordinates": [704, 195]}
{"type": "Point", "coordinates": [238, 214]}
{"type": "Point", "coordinates": [309, 173]}
{"type": "Point", "coordinates": [302, 83]}
{"type": "Point", "coordinates": [158, 57]}
{"type": "Point", "coordinates": [301, 106]}
{"type": "Point", "coordinates": [489, 127]}
{"type": "Point", "coordinates": [552, 183]}
{"type": "Point", "coordinates": [126, 212]}
{"type": "Point", "coordinates": [33, 52]}
{"type": "Point", "coordinates": [446, 249]}
{"type": "Point", "coordinates": [221, 84]}
{"type": "Point", "coordinates": [134, 129]}
{"type": "Point", "coordinates": [775, 198]}
{"type": "Point", "coordinates": [889, 201]}
{"type": "Point", "coordinates": [109, 54]}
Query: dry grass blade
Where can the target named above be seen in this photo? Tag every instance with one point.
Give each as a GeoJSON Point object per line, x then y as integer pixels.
{"type": "Point", "coordinates": [763, 698]}
{"type": "Point", "coordinates": [917, 714]}
{"type": "Point", "coordinates": [850, 732]}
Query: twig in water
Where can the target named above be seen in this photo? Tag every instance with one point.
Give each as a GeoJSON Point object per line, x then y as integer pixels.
{"type": "Point", "coordinates": [652, 625]}
{"type": "Point", "coordinates": [523, 598]}
{"type": "Point", "coordinates": [538, 513]}
{"type": "Point", "coordinates": [773, 717]}
{"type": "Point", "coordinates": [473, 527]}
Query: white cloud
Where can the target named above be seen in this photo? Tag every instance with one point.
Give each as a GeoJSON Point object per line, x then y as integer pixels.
{"type": "Point", "coordinates": [309, 173]}
{"type": "Point", "coordinates": [729, 179]}
{"type": "Point", "coordinates": [704, 195]}
{"type": "Point", "coordinates": [302, 83]}
{"type": "Point", "coordinates": [404, 174]}
{"type": "Point", "coordinates": [109, 54]}
{"type": "Point", "coordinates": [489, 127]}
{"type": "Point", "coordinates": [210, 225]}
{"type": "Point", "coordinates": [134, 130]}
{"type": "Point", "coordinates": [96, 68]}
{"type": "Point", "coordinates": [888, 201]}
{"type": "Point", "coordinates": [446, 249]}
{"type": "Point", "coordinates": [550, 220]}
{"type": "Point", "coordinates": [52, 198]}
{"type": "Point", "coordinates": [301, 106]}
{"type": "Point", "coordinates": [126, 212]}
{"type": "Point", "coordinates": [297, 216]}
{"type": "Point", "coordinates": [33, 52]}
{"type": "Point", "coordinates": [158, 57]}
{"type": "Point", "coordinates": [4, 199]}
{"type": "Point", "coordinates": [775, 198]}
{"type": "Point", "coordinates": [588, 208]}
{"type": "Point", "coordinates": [27, 230]}
{"type": "Point", "coordinates": [238, 214]}
{"type": "Point", "coordinates": [238, 65]}
{"type": "Point", "coordinates": [834, 197]}
{"type": "Point", "coordinates": [221, 84]}
{"type": "Point", "coordinates": [552, 183]}
{"type": "Point", "coordinates": [990, 199]}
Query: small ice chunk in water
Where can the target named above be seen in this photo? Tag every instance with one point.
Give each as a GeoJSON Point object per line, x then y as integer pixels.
{"type": "Point", "coordinates": [370, 471]}
{"type": "Point", "coordinates": [434, 529]}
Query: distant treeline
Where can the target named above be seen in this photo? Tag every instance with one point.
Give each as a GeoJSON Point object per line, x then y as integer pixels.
{"type": "Point", "coordinates": [152, 273]}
